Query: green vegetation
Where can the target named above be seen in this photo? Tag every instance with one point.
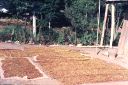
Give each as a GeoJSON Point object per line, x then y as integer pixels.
{"type": "Point", "coordinates": [15, 33]}
{"type": "Point", "coordinates": [72, 21]}
{"type": "Point", "coordinates": [82, 14]}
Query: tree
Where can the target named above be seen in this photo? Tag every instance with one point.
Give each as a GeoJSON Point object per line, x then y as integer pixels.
{"type": "Point", "coordinates": [45, 11]}
{"type": "Point", "coordinates": [82, 14]}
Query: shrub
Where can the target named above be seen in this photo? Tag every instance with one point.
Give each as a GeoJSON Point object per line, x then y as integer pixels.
{"type": "Point", "coordinates": [15, 33]}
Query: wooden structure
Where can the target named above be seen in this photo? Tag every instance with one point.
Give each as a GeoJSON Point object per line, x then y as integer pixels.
{"type": "Point", "coordinates": [112, 4]}
{"type": "Point", "coordinates": [123, 42]}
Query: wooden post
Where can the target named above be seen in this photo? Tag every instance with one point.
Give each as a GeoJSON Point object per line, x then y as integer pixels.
{"type": "Point", "coordinates": [104, 25]}
{"type": "Point", "coordinates": [98, 27]}
{"type": "Point", "coordinates": [49, 26]}
{"type": "Point", "coordinates": [112, 24]}
{"type": "Point", "coordinates": [34, 26]}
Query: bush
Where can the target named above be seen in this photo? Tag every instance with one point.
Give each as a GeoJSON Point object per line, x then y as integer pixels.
{"type": "Point", "coordinates": [60, 39]}
{"type": "Point", "coordinates": [88, 38]}
{"type": "Point", "coordinates": [15, 33]}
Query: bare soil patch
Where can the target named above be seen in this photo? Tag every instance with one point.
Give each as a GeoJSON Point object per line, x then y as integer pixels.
{"type": "Point", "coordinates": [71, 68]}
{"type": "Point", "coordinates": [13, 53]}
{"type": "Point", "coordinates": [66, 65]}
{"type": "Point", "coordinates": [19, 67]}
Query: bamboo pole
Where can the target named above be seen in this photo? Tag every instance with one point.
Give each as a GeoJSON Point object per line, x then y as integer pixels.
{"type": "Point", "coordinates": [104, 25]}
{"type": "Point", "coordinates": [112, 24]}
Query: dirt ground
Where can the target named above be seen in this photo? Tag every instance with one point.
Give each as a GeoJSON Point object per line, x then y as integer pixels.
{"type": "Point", "coordinates": [66, 65]}
{"type": "Point", "coordinates": [19, 67]}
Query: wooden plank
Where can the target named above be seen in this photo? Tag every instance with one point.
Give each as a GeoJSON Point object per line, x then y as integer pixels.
{"type": "Point", "coordinates": [123, 42]}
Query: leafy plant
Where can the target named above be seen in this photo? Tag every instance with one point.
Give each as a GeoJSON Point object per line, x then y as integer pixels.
{"type": "Point", "coordinates": [88, 38]}
{"type": "Point", "coordinates": [60, 39]}
{"type": "Point", "coordinates": [15, 33]}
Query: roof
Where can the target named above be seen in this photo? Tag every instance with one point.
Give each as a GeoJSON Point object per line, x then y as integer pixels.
{"type": "Point", "coordinates": [3, 8]}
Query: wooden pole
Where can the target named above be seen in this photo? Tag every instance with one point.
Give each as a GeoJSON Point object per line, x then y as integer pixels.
{"type": "Point", "coordinates": [49, 26]}
{"type": "Point", "coordinates": [104, 25]}
{"type": "Point", "coordinates": [112, 24]}
{"type": "Point", "coordinates": [34, 26]}
{"type": "Point", "coordinates": [98, 27]}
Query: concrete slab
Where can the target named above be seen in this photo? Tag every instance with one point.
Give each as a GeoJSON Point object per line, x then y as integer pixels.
{"type": "Point", "coordinates": [109, 83]}
{"type": "Point", "coordinates": [19, 81]}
